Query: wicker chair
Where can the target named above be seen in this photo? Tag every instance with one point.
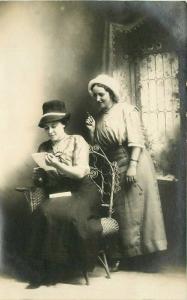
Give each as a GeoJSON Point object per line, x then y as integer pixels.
{"type": "Point", "coordinates": [105, 176]}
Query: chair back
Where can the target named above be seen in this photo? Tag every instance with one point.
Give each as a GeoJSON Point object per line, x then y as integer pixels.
{"type": "Point", "coordinates": [106, 176]}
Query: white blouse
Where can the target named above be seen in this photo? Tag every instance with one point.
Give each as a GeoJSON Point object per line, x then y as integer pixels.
{"type": "Point", "coordinates": [72, 150]}
{"type": "Point", "coordinates": [119, 125]}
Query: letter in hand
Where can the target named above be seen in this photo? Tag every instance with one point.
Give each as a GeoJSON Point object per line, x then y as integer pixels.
{"type": "Point", "coordinates": [51, 159]}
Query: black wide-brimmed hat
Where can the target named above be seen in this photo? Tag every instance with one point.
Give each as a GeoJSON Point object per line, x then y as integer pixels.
{"type": "Point", "coordinates": [53, 110]}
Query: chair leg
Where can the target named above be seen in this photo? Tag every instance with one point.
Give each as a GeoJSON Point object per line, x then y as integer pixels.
{"type": "Point", "coordinates": [105, 264]}
{"type": "Point", "coordinates": [85, 274]}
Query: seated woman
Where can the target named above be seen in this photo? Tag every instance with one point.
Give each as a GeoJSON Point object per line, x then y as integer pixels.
{"type": "Point", "coordinates": [65, 230]}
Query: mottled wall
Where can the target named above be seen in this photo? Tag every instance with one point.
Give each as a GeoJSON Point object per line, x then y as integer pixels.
{"type": "Point", "coordinates": [51, 50]}
{"type": "Point", "coordinates": [47, 50]}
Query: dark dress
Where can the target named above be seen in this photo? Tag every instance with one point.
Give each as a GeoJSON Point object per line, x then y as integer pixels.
{"type": "Point", "coordinates": [66, 230]}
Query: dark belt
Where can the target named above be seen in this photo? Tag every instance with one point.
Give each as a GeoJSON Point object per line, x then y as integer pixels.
{"type": "Point", "coordinates": [121, 155]}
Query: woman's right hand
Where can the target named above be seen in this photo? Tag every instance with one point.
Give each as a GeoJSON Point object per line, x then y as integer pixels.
{"type": "Point", "coordinates": [90, 123]}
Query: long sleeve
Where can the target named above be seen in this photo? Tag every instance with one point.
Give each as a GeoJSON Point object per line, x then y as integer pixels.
{"type": "Point", "coordinates": [135, 136]}
{"type": "Point", "coordinates": [81, 152]}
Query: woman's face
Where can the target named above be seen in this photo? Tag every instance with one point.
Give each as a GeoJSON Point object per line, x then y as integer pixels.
{"type": "Point", "coordinates": [102, 98]}
{"type": "Point", "coordinates": [55, 131]}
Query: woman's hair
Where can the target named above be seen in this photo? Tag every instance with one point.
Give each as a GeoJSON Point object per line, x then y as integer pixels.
{"type": "Point", "coordinates": [112, 96]}
{"type": "Point", "coordinates": [64, 121]}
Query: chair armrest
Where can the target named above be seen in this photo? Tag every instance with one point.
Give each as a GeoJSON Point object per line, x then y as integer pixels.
{"type": "Point", "coordinates": [22, 189]}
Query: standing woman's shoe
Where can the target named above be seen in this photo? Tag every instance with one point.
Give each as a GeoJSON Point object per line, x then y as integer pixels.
{"type": "Point", "coordinates": [114, 267]}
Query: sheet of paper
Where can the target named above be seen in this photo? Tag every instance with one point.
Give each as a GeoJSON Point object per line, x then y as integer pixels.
{"type": "Point", "coordinates": [39, 158]}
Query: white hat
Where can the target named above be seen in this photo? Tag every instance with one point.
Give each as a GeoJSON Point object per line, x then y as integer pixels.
{"type": "Point", "coordinates": [107, 81]}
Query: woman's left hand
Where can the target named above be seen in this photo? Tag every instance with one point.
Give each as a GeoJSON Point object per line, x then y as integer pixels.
{"type": "Point", "coordinates": [51, 159]}
{"type": "Point", "coordinates": [131, 174]}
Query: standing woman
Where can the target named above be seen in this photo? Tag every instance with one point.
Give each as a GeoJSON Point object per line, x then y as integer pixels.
{"type": "Point", "coordinates": [66, 230]}
{"type": "Point", "coordinates": [118, 130]}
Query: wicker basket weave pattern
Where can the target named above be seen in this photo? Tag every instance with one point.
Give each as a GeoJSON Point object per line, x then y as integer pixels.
{"type": "Point", "coordinates": [35, 196]}
{"type": "Point", "coordinates": [110, 226]}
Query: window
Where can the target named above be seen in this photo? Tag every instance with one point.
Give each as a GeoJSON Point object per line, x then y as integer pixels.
{"type": "Point", "coordinates": [148, 78]}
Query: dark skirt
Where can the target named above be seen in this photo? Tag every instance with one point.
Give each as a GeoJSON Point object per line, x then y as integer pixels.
{"type": "Point", "coordinates": [67, 229]}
